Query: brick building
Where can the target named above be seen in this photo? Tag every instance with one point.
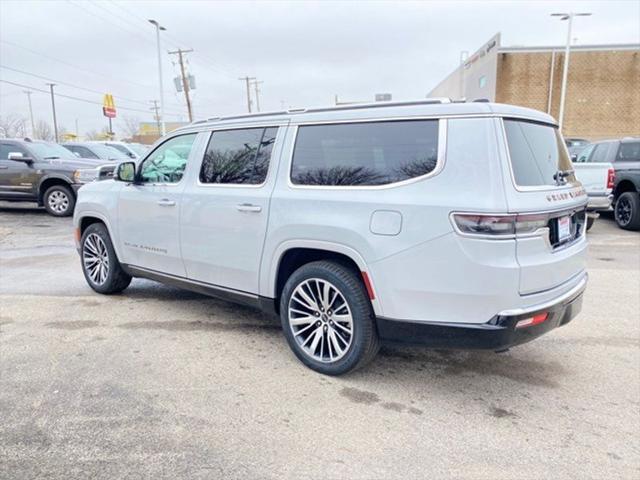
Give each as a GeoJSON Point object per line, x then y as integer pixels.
{"type": "Point", "coordinates": [603, 84]}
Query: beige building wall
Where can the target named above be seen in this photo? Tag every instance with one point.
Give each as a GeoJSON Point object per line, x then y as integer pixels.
{"type": "Point", "coordinates": [603, 89]}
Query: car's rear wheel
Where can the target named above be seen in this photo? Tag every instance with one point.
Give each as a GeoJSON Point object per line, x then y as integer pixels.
{"type": "Point", "coordinates": [327, 318]}
{"type": "Point", "coordinates": [100, 265]}
{"type": "Point", "coordinates": [627, 211]}
{"type": "Point", "coordinates": [59, 201]}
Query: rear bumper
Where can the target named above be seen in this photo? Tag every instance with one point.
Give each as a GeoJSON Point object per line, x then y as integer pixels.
{"type": "Point", "coordinates": [599, 203]}
{"type": "Point", "coordinates": [500, 333]}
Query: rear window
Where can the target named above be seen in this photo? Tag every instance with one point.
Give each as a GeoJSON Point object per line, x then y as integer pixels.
{"type": "Point", "coordinates": [360, 154]}
{"type": "Point", "coordinates": [537, 153]}
{"type": "Point", "coordinates": [629, 152]}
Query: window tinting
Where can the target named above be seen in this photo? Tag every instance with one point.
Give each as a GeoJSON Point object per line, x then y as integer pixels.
{"type": "Point", "coordinates": [629, 152]}
{"type": "Point", "coordinates": [372, 153]}
{"type": "Point", "coordinates": [7, 148]}
{"type": "Point", "coordinates": [600, 153]}
{"type": "Point", "coordinates": [238, 156]}
{"type": "Point", "coordinates": [167, 163]}
{"type": "Point", "coordinates": [537, 153]}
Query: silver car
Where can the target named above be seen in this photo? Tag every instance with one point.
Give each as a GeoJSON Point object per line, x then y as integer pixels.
{"type": "Point", "coordinates": [449, 225]}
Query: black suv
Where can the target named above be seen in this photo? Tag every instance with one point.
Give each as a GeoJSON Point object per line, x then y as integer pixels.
{"type": "Point", "coordinates": [46, 173]}
{"type": "Point", "coordinates": [624, 155]}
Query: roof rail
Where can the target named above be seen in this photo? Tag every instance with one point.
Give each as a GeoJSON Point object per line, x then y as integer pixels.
{"type": "Point", "coordinates": [355, 106]}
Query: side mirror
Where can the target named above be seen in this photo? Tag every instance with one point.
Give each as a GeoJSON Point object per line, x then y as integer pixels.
{"type": "Point", "coordinates": [19, 157]}
{"type": "Point", "coordinates": [126, 172]}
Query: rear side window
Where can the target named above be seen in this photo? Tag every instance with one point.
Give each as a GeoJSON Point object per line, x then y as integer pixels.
{"type": "Point", "coordinates": [238, 156]}
{"type": "Point", "coordinates": [601, 153]}
{"type": "Point", "coordinates": [537, 153]}
{"type": "Point", "coordinates": [629, 152]}
{"type": "Point", "coordinates": [82, 152]}
{"type": "Point", "coordinates": [359, 154]}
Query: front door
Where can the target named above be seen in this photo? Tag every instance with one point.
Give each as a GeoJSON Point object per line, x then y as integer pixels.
{"type": "Point", "coordinates": [17, 179]}
{"type": "Point", "coordinates": [225, 212]}
{"type": "Point", "coordinates": [148, 210]}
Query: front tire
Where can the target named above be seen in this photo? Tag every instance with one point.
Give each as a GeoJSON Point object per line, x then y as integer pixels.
{"type": "Point", "coordinates": [59, 201]}
{"type": "Point", "coordinates": [327, 318]}
{"type": "Point", "coordinates": [100, 265]}
{"type": "Point", "coordinates": [627, 211]}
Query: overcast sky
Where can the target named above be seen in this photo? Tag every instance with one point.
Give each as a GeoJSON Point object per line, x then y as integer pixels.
{"type": "Point", "coordinates": [304, 52]}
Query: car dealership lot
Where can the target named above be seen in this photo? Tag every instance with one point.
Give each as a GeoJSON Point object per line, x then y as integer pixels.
{"type": "Point", "coordinates": [163, 383]}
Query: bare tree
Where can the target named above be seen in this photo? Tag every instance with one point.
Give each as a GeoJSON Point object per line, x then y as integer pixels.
{"type": "Point", "coordinates": [130, 126]}
{"type": "Point", "coordinates": [12, 126]}
{"type": "Point", "coordinates": [43, 131]}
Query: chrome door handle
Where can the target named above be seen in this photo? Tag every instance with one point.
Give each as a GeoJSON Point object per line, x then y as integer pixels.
{"type": "Point", "coordinates": [3, 167]}
{"type": "Point", "coordinates": [247, 207]}
{"type": "Point", "coordinates": [165, 202]}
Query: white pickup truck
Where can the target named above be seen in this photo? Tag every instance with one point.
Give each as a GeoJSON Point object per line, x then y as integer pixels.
{"type": "Point", "coordinates": [597, 176]}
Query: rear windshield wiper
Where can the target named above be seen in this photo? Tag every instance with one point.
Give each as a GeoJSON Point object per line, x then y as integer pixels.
{"type": "Point", "coordinates": [561, 175]}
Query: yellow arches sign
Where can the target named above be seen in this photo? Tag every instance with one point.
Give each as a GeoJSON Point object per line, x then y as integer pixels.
{"type": "Point", "coordinates": [108, 106]}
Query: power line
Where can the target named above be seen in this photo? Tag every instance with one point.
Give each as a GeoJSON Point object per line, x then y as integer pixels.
{"type": "Point", "coordinates": [76, 98]}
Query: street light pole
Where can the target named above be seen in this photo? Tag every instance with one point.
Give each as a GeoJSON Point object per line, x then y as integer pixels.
{"type": "Point", "coordinates": [53, 107]}
{"type": "Point", "coordinates": [567, 52]}
{"type": "Point", "coordinates": [158, 29]}
{"type": "Point", "coordinates": [33, 125]}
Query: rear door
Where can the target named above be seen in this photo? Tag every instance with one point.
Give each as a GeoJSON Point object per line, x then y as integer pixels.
{"type": "Point", "coordinates": [542, 188]}
{"type": "Point", "coordinates": [224, 213]}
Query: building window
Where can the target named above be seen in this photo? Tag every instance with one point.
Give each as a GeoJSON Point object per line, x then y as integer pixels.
{"type": "Point", "coordinates": [482, 81]}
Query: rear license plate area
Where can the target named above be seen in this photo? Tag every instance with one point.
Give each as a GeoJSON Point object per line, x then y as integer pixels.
{"type": "Point", "coordinates": [564, 228]}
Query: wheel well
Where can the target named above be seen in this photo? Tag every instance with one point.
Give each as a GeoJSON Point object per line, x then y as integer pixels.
{"type": "Point", "coordinates": [50, 182]}
{"type": "Point", "coordinates": [624, 186]}
{"type": "Point", "coordinates": [86, 221]}
{"type": "Point", "coordinates": [297, 257]}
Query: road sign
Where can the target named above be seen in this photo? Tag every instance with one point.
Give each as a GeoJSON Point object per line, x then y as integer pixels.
{"type": "Point", "coordinates": [108, 106]}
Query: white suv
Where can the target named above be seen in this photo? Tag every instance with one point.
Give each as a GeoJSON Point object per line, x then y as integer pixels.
{"type": "Point", "coordinates": [435, 223]}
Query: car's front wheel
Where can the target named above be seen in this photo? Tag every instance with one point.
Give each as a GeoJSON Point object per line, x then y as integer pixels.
{"type": "Point", "coordinates": [59, 201]}
{"type": "Point", "coordinates": [627, 211]}
{"type": "Point", "coordinates": [100, 265]}
{"type": "Point", "coordinates": [327, 318]}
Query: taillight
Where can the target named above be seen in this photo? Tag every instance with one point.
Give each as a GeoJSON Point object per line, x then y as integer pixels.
{"type": "Point", "coordinates": [531, 321]}
{"type": "Point", "coordinates": [500, 226]}
{"type": "Point", "coordinates": [611, 178]}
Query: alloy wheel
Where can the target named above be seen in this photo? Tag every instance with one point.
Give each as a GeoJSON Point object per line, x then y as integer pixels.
{"type": "Point", "coordinates": [58, 201]}
{"type": "Point", "coordinates": [320, 319]}
{"type": "Point", "coordinates": [95, 258]}
{"type": "Point", "coordinates": [623, 211]}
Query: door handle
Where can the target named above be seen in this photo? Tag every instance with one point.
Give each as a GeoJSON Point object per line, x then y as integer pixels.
{"type": "Point", "coordinates": [165, 202]}
{"type": "Point", "coordinates": [3, 167]}
{"type": "Point", "coordinates": [247, 207]}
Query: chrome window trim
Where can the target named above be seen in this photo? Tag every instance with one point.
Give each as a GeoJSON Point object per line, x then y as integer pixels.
{"type": "Point", "coordinates": [440, 160]}
{"type": "Point", "coordinates": [527, 188]}
{"type": "Point", "coordinates": [239, 185]}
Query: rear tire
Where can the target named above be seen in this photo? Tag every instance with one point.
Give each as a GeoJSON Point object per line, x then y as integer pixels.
{"type": "Point", "coordinates": [100, 265]}
{"type": "Point", "coordinates": [590, 222]}
{"type": "Point", "coordinates": [627, 211]}
{"type": "Point", "coordinates": [59, 201]}
{"type": "Point", "coordinates": [327, 318]}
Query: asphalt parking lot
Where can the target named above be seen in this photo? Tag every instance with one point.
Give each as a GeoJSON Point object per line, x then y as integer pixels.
{"type": "Point", "coordinates": [162, 383]}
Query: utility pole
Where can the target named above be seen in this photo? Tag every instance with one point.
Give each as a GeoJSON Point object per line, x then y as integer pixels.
{"type": "Point", "coordinates": [257, 91]}
{"type": "Point", "coordinates": [33, 125]}
{"type": "Point", "coordinates": [160, 28]}
{"type": "Point", "coordinates": [247, 81]}
{"type": "Point", "coordinates": [156, 117]}
{"type": "Point", "coordinates": [185, 80]}
{"type": "Point", "coordinates": [567, 51]}
{"type": "Point", "coordinates": [53, 107]}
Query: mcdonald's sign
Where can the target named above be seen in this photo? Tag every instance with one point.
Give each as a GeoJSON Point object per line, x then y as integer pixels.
{"type": "Point", "coordinates": [108, 106]}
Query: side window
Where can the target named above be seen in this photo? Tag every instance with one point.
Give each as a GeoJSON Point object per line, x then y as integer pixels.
{"type": "Point", "coordinates": [583, 156]}
{"type": "Point", "coordinates": [628, 152]}
{"type": "Point", "coordinates": [7, 148]}
{"type": "Point", "coordinates": [83, 152]}
{"type": "Point", "coordinates": [368, 153]}
{"type": "Point", "coordinates": [238, 156]}
{"type": "Point", "coordinates": [600, 153]}
{"type": "Point", "coordinates": [167, 162]}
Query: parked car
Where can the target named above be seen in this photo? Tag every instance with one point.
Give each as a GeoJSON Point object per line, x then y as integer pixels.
{"type": "Point", "coordinates": [95, 151]}
{"type": "Point", "coordinates": [46, 173]}
{"type": "Point", "coordinates": [624, 155]}
{"type": "Point", "coordinates": [597, 178]}
{"type": "Point", "coordinates": [131, 150]}
{"type": "Point", "coordinates": [575, 142]}
{"type": "Point", "coordinates": [437, 223]}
